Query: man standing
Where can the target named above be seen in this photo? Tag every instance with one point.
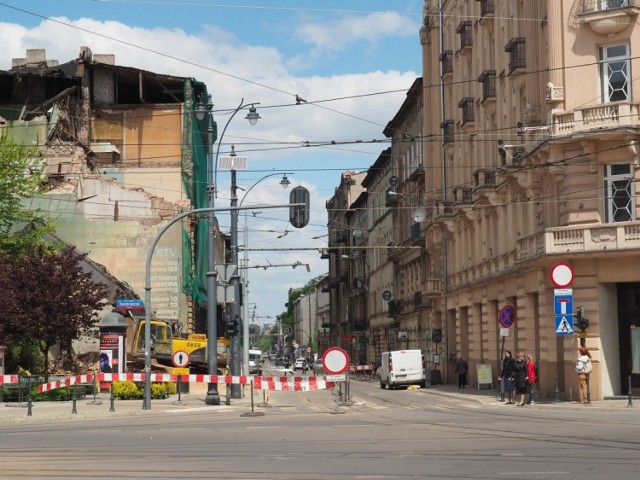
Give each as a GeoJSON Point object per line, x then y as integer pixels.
{"type": "Point", "coordinates": [461, 369]}
{"type": "Point", "coordinates": [583, 369]}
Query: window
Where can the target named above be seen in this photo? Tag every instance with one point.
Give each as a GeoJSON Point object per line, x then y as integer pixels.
{"type": "Point", "coordinates": [466, 104]}
{"type": "Point", "coordinates": [446, 58]}
{"type": "Point", "coordinates": [619, 193]}
{"type": "Point", "coordinates": [488, 81]}
{"type": "Point", "coordinates": [487, 7]}
{"type": "Point", "coordinates": [609, 4]}
{"type": "Point", "coordinates": [615, 73]}
{"type": "Point", "coordinates": [447, 131]}
{"type": "Point", "coordinates": [464, 29]}
{"type": "Point", "coordinates": [515, 48]}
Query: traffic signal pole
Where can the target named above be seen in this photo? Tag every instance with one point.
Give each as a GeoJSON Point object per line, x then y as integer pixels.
{"type": "Point", "coordinates": [146, 405]}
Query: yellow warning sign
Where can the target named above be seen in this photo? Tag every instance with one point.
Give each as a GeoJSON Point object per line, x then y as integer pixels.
{"type": "Point", "coordinates": [179, 371]}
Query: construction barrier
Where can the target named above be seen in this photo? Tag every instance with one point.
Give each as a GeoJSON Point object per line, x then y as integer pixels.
{"type": "Point", "coordinates": [7, 379]}
{"type": "Point", "coordinates": [297, 384]}
{"type": "Point", "coordinates": [359, 368]}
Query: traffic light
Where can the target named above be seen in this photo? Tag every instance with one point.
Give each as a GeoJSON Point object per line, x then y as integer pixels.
{"type": "Point", "coordinates": [299, 214]}
{"type": "Point", "coordinates": [232, 327]}
{"type": "Point", "coordinates": [583, 323]}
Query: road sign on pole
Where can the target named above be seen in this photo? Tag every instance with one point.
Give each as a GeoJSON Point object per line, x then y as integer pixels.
{"type": "Point", "coordinates": [507, 316]}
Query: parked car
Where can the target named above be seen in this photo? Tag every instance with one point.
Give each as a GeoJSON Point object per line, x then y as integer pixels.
{"type": "Point", "coordinates": [317, 367]}
{"type": "Point", "coordinates": [280, 362]}
{"type": "Point", "coordinates": [302, 365]}
{"type": "Point", "coordinates": [273, 357]}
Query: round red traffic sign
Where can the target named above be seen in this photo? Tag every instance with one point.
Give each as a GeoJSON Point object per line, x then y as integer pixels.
{"type": "Point", "coordinates": [335, 361]}
{"type": "Point", "coordinates": [180, 358]}
{"type": "Point", "coordinates": [507, 316]}
{"type": "Point", "coordinates": [562, 275]}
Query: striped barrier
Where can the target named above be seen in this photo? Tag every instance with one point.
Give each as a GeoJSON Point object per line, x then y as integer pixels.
{"type": "Point", "coordinates": [284, 384]}
{"type": "Point", "coordinates": [67, 382]}
{"type": "Point", "coordinates": [358, 368]}
{"type": "Point", "coordinates": [6, 379]}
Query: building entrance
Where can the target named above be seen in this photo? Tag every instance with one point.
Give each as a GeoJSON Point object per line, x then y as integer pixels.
{"type": "Point", "coordinates": [629, 333]}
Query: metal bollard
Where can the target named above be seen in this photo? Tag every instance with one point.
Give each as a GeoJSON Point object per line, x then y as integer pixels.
{"type": "Point", "coordinates": [588, 391]}
{"type": "Point", "coordinates": [73, 401]}
{"type": "Point", "coordinates": [557, 390]}
{"type": "Point", "coordinates": [29, 403]}
{"type": "Point", "coordinates": [630, 404]}
{"type": "Point", "coordinates": [112, 407]}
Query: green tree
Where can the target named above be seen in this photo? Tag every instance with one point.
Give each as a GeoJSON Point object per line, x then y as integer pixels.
{"type": "Point", "coordinates": [21, 176]}
{"type": "Point", "coordinates": [48, 299]}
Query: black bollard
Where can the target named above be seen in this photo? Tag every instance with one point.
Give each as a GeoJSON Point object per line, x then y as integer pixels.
{"type": "Point", "coordinates": [630, 404]}
{"type": "Point", "coordinates": [588, 391]}
{"type": "Point", "coordinates": [73, 401]}
{"type": "Point", "coordinates": [179, 387]}
{"type": "Point", "coordinates": [557, 390]}
{"type": "Point", "coordinates": [29, 403]}
{"type": "Point", "coordinates": [112, 407]}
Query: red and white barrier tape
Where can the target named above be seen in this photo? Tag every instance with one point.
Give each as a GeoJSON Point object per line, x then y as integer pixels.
{"type": "Point", "coordinates": [67, 382]}
{"type": "Point", "coordinates": [355, 368]}
{"type": "Point", "coordinates": [8, 379]}
{"type": "Point", "coordinates": [284, 384]}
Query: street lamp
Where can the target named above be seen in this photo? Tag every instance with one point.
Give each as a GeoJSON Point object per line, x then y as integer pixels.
{"type": "Point", "coordinates": [203, 112]}
{"type": "Point", "coordinates": [284, 182]}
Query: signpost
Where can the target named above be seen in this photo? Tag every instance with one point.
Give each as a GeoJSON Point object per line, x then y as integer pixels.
{"type": "Point", "coordinates": [562, 278]}
{"type": "Point", "coordinates": [506, 318]}
{"type": "Point", "coordinates": [335, 362]}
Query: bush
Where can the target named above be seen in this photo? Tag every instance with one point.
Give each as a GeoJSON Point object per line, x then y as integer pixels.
{"type": "Point", "coordinates": [126, 391]}
{"type": "Point", "coordinates": [135, 391]}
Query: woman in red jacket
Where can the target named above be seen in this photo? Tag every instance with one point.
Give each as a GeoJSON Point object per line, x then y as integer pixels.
{"type": "Point", "coordinates": [532, 374]}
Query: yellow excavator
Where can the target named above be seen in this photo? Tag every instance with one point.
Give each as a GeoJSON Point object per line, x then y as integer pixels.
{"type": "Point", "coordinates": [166, 339]}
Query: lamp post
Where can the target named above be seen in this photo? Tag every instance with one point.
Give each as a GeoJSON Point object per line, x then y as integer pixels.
{"type": "Point", "coordinates": [284, 182]}
{"type": "Point", "coordinates": [203, 111]}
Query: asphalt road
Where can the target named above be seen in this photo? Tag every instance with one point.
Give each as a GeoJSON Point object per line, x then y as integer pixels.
{"type": "Point", "coordinates": [399, 434]}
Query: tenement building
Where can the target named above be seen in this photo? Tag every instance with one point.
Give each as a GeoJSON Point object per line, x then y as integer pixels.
{"type": "Point", "coordinates": [530, 144]}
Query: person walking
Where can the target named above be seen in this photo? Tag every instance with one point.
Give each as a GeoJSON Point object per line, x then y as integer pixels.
{"type": "Point", "coordinates": [521, 378]}
{"type": "Point", "coordinates": [532, 373]}
{"type": "Point", "coordinates": [461, 369]}
{"type": "Point", "coordinates": [583, 369]}
{"type": "Point", "coordinates": [508, 374]}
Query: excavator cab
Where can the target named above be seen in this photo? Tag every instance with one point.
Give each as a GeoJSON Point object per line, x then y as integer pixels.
{"type": "Point", "coordinates": [161, 338]}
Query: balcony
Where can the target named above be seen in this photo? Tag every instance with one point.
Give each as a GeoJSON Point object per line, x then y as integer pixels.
{"type": "Point", "coordinates": [391, 198]}
{"type": "Point", "coordinates": [448, 131]}
{"type": "Point", "coordinates": [608, 17]}
{"type": "Point", "coordinates": [466, 104]}
{"type": "Point", "coordinates": [488, 81]}
{"type": "Point", "coordinates": [466, 38]}
{"type": "Point", "coordinates": [517, 59]}
{"type": "Point", "coordinates": [597, 117]}
{"type": "Point", "coordinates": [446, 58]}
{"type": "Point", "coordinates": [580, 239]}
{"type": "Point", "coordinates": [417, 175]}
{"type": "Point", "coordinates": [487, 10]}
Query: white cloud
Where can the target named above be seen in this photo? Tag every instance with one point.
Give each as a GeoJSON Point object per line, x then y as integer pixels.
{"type": "Point", "coordinates": [341, 34]}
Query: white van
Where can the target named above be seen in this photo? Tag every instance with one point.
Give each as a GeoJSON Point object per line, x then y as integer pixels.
{"type": "Point", "coordinates": [255, 362]}
{"type": "Point", "coordinates": [402, 367]}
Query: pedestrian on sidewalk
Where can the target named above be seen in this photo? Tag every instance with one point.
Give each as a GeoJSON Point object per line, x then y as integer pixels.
{"type": "Point", "coordinates": [461, 369]}
{"type": "Point", "coordinates": [508, 373]}
{"type": "Point", "coordinates": [583, 369]}
{"type": "Point", "coordinates": [522, 378]}
{"type": "Point", "coordinates": [532, 371]}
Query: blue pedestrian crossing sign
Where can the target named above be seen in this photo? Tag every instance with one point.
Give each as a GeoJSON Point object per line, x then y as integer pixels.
{"type": "Point", "coordinates": [564, 325]}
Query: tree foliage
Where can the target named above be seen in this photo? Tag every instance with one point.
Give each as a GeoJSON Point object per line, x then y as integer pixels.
{"type": "Point", "coordinates": [48, 299]}
{"type": "Point", "coordinates": [21, 176]}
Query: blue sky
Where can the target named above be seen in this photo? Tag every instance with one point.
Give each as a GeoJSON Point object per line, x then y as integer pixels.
{"type": "Point", "coordinates": [352, 60]}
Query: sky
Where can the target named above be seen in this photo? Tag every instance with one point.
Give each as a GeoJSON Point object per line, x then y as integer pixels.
{"type": "Point", "coordinates": [352, 61]}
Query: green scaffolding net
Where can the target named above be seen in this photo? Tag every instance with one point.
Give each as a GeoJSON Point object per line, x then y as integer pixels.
{"type": "Point", "coordinates": [195, 257]}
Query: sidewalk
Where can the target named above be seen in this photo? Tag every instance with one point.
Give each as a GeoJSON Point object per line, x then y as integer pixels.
{"type": "Point", "coordinates": [491, 397]}
{"type": "Point", "coordinates": [100, 406]}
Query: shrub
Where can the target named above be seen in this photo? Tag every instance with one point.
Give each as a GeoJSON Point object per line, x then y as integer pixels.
{"type": "Point", "coordinates": [126, 391]}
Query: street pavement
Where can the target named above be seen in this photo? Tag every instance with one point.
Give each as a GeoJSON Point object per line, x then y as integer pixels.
{"type": "Point", "coordinates": [102, 406]}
